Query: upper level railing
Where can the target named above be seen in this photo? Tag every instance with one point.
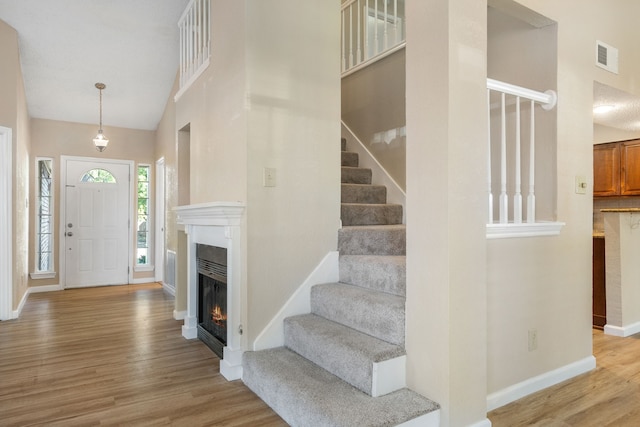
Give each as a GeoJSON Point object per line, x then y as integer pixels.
{"type": "Point", "coordinates": [371, 29]}
{"type": "Point", "coordinates": [513, 98]}
{"type": "Point", "coordinates": [194, 28]}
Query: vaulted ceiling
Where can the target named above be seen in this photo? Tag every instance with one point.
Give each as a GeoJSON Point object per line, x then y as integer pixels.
{"type": "Point", "coordinates": [66, 46]}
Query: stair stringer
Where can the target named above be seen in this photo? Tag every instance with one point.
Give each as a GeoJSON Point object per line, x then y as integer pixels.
{"type": "Point", "coordinates": [389, 376]}
{"type": "Point", "coordinates": [380, 176]}
{"type": "Point", "coordinates": [299, 303]}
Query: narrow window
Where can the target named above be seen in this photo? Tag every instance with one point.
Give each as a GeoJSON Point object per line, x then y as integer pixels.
{"type": "Point", "coordinates": [44, 216]}
{"type": "Point", "coordinates": [143, 225]}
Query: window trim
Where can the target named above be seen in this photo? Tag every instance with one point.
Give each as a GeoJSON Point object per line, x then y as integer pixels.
{"type": "Point", "coordinates": [37, 273]}
{"type": "Point", "coordinates": [148, 266]}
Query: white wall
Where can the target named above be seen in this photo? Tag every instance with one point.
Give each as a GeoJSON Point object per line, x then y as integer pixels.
{"type": "Point", "coordinates": [545, 283]}
{"type": "Point", "coordinates": [446, 206]}
{"type": "Point", "coordinates": [270, 98]}
{"type": "Point", "coordinates": [53, 138]}
{"type": "Point", "coordinates": [14, 115]}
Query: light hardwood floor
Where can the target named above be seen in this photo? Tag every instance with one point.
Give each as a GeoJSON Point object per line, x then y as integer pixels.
{"type": "Point", "coordinates": [114, 356]}
{"type": "Point", "coordinates": [606, 396]}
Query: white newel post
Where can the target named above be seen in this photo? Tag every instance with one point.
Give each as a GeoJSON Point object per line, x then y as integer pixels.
{"type": "Point", "coordinates": [217, 224]}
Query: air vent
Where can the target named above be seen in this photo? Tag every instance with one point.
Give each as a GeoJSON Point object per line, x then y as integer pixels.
{"type": "Point", "coordinates": [606, 57]}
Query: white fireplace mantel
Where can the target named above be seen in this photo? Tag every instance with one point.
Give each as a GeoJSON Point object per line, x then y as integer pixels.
{"type": "Point", "coordinates": [218, 224]}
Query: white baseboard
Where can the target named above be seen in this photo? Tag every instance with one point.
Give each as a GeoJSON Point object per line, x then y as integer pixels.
{"type": "Point", "coordinates": [179, 315]}
{"type": "Point", "coordinates": [622, 331]}
{"type": "Point", "coordinates": [44, 288]}
{"type": "Point", "coordinates": [299, 303]}
{"type": "Point", "coordinates": [484, 423]}
{"type": "Point", "coordinates": [142, 281]}
{"type": "Point", "coordinates": [540, 382]}
{"type": "Point", "coordinates": [432, 419]}
{"type": "Point", "coordinates": [169, 289]}
{"type": "Point", "coordinates": [33, 290]}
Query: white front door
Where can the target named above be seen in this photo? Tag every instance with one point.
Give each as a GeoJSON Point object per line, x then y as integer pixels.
{"type": "Point", "coordinates": [96, 225]}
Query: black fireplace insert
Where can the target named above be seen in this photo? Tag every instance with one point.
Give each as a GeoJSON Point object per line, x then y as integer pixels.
{"type": "Point", "coordinates": [212, 296]}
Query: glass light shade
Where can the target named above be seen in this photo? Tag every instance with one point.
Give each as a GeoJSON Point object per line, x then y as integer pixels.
{"type": "Point", "coordinates": [100, 141]}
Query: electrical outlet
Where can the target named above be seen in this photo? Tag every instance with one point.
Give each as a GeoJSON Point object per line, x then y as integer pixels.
{"type": "Point", "coordinates": [533, 339]}
{"type": "Point", "coordinates": [269, 177]}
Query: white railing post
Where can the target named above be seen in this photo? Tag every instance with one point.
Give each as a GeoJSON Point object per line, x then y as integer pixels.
{"type": "Point", "coordinates": [517, 197]}
{"type": "Point", "coordinates": [344, 50]}
{"type": "Point", "coordinates": [490, 216]}
{"type": "Point", "coordinates": [386, 32]}
{"type": "Point", "coordinates": [351, 64]}
{"type": "Point", "coordinates": [531, 198]}
{"type": "Point", "coordinates": [366, 39]}
{"type": "Point", "coordinates": [358, 49]}
{"type": "Point", "coordinates": [504, 200]}
{"type": "Point", "coordinates": [395, 22]}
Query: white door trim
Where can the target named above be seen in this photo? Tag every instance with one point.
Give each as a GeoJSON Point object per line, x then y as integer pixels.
{"type": "Point", "coordinates": [63, 207]}
{"type": "Point", "coordinates": [6, 229]}
{"type": "Point", "coordinates": [160, 221]}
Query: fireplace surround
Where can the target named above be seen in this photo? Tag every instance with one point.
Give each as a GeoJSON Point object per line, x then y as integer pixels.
{"type": "Point", "coordinates": [217, 224]}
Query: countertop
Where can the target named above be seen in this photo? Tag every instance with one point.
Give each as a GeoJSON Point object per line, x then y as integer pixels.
{"type": "Point", "coordinates": [620, 210]}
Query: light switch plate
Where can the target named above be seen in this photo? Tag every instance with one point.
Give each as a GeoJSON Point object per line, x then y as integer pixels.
{"type": "Point", "coordinates": [581, 184]}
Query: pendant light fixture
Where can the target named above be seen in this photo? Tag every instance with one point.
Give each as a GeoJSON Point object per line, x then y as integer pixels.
{"type": "Point", "coordinates": [100, 141]}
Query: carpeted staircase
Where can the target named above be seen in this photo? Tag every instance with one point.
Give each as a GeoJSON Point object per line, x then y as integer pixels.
{"type": "Point", "coordinates": [344, 363]}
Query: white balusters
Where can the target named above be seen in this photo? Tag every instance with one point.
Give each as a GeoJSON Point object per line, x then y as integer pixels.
{"type": "Point", "coordinates": [531, 197]}
{"type": "Point", "coordinates": [370, 29]}
{"type": "Point", "coordinates": [194, 28]}
{"type": "Point", "coordinates": [513, 141]}
{"type": "Point", "coordinates": [490, 216]}
{"type": "Point", "coordinates": [504, 200]}
{"type": "Point", "coordinates": [351, 35]}
{"type": "Point", "coordinates": [517, 197]}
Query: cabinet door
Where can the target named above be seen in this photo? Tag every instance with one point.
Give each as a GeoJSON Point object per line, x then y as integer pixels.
{"type": "Point", "coordinates": [630, 168]}
{"type": "Point", "coordinates": [606, 169]}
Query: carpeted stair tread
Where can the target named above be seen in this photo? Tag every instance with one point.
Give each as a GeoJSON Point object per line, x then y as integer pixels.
{"type": "Point", "coordinates": [363, 193]}
{"type": "Point", "coordinates": [304, 394]}
{"type": "Point", "coordinates": [372, 240]}
{"type": "Point", "coordinates": [370, 214]}
{"type": "Point", "coordinates": [349, 158]}
{"type": "Point", "coordinates": [351, 175]}
{"type": "Point", "coordinates": [385, 273]}
{"type": "Point", "coordinates": [341, 350]}
{"type": "Point", "coordinates": [378, 314]}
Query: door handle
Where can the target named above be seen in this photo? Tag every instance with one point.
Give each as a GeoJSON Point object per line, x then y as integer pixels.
{"type": "Point", "coordinates": [69, 233]}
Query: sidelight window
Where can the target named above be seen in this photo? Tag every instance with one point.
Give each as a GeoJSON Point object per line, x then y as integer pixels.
{"type": "Point", "coordinates": [44, 219]}
{"type": "Point", "coordinates": [143, 218]}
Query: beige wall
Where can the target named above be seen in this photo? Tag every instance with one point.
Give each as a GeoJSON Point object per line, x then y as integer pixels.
{"type": "Point", "coordinates": [51, 138]}
{"type": "Point", "coordinates": [603, 134]}
{"type": "Point", "coordinates": [547, 285]}
{"type": "Point", "coordinates": [270, 100]}
{"type": "Point", "coordinates": [14, 115]}
{"type": "Point", "coordinates": [446, 205]}
{"type": "Point", "coordinates": [514, 47]}
{"type": "Point", "coordinates": [373, 106]}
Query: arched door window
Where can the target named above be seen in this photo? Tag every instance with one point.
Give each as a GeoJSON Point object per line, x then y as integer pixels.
{"type": "Point", "coordinates": [99, 175]}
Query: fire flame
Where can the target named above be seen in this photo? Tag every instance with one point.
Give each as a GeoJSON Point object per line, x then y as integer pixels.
{"type": "Point", "coordinates": [218, 316]}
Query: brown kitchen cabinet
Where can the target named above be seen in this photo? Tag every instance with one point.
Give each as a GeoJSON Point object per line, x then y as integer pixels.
{"type": "Point", "coordinates": [616, 169]}
{"type": "Point", "coordinates": [606, 169]}
{"type": "Point", "coordinates": [630, 168]}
